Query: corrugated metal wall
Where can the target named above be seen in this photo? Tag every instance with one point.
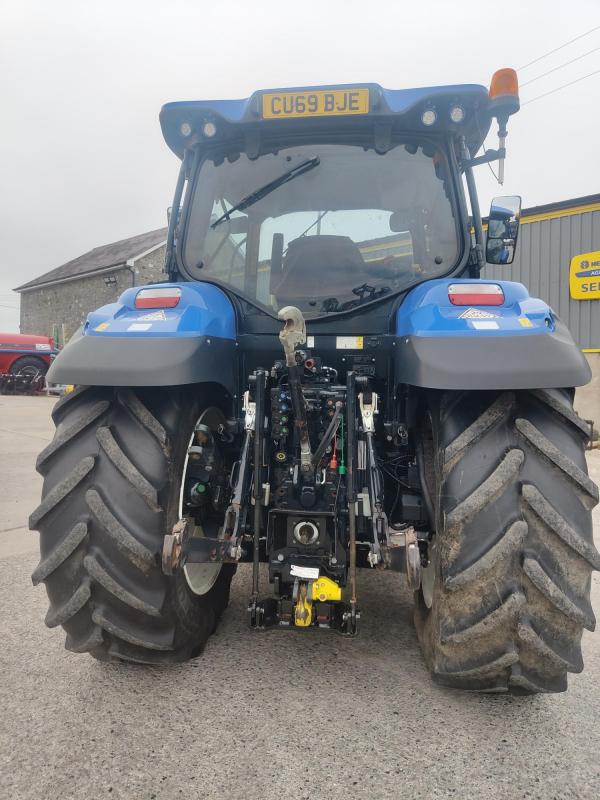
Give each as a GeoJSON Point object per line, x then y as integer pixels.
{"type": "Point", "coordinates": [542, 260]}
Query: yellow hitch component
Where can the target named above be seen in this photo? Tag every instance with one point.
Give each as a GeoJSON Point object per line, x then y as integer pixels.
{"type": "Point", "coordinates": [322, 590]}
{"type": "Point", "coordinates": [303, 608]}
{"type": "Point", "coordinates": [325, 589]}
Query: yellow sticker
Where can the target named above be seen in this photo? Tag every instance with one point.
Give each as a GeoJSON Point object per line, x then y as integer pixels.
{"type": "Point", "coordinates": [526, 322]}
{"type": "Point", "coordinates": [315, 103]}
{"type": "Point", "coordinates": [584, 276]}
{"type": "Point", "coordinates": [349, 342]}
{"type": "Point", "coordinates": [102, 327]}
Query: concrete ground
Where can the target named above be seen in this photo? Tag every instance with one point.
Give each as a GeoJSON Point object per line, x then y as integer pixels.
{"type": "Point", "coordinates": [261, 716]}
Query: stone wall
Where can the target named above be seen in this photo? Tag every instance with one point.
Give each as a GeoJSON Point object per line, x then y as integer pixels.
{"type": "Point", "coordinates": [47, 309]}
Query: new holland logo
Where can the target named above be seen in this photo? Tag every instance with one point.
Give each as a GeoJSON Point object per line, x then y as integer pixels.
{"type": "Point", "coordinates": [477, 313]}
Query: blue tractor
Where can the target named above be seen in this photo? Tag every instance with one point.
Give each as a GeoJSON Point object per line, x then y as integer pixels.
{"type": "Point", "coordinates": [324, 384]}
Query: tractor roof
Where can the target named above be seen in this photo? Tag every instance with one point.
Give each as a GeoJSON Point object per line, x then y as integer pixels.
{"type": "Point", "coordinates": [183, 123]}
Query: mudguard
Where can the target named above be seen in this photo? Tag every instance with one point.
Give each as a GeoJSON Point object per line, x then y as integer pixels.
{"type": "Point", "coordinates": [520, 344]}
{"type": "Point", "coordinates": [120, 345]}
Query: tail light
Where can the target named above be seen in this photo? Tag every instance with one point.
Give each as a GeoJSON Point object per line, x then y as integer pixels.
{"type": "Point", "coordinates": [158, 298]}
{"type": "Point", "coordinates": [475, 294]}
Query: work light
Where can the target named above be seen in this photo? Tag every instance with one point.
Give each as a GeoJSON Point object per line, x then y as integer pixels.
{"type": "Point", "coordinates": [457, 114]}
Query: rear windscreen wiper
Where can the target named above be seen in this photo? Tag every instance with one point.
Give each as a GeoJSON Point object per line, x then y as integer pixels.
{"type": "Point", "coordinates": [365, 294]}
{"type": "Point", "coordinates": [258, 194]}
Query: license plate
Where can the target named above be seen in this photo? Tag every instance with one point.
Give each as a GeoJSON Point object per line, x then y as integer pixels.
{"type": "Point", "coordinates": [319, 103]}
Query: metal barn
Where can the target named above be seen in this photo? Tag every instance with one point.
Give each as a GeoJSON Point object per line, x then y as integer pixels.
{"type": "Point", "coordinates": [550, 237]}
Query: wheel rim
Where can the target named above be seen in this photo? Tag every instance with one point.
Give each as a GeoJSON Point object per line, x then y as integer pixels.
{"type": "Point", "coordinates": [428, 576]}
{"type": "Point", "coordinates": [200, 577]}
{"type": "Point", "coordinates": [29, 372]}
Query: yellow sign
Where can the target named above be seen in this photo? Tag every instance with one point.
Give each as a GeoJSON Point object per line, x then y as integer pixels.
{"type": "Point", "coordinates": [102, 327]}
{"type": "Point", "coordinates": [525, 322]}
{"type": "Point", "coordinates": [584, 277]}
{"type": "Point", "coordinates": [318, 103]}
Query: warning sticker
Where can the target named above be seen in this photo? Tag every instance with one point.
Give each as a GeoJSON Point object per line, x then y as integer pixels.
{"type": "Point", "coordinates": [477, 313]}
{"type": "Point", "coordinates": [153, 316]}
{"type": "Point", "coordinates": [348, 342]}
{"type": "Point", "coordinates": [525, 322]}
{"type": "Point", "coordinates": [102, 327]}
{"type": "Point", "coordinates": [308, 573]}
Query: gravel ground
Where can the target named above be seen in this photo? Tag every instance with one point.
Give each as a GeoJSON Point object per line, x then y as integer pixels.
{"type": "Point", "coordinates": [264, 715]}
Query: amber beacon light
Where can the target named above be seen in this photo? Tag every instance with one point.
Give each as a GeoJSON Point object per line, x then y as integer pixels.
{"type": "Point", "coordinates": [504, 101]}
{"type": "Point", "coordinates": [504, 90]}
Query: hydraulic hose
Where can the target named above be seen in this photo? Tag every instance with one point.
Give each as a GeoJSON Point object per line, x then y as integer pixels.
{"type": "Point", "coordinates": [328, 435]}
{"type": "Point", "coordinates": [299, 408]}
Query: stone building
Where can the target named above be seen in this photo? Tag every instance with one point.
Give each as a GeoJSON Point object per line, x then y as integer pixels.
{"type": "Point", "coordinates": [57, 303]}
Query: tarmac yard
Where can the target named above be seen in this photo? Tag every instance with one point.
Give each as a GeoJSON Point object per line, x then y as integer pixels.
{"type": "Point", "coordinates": [264, 715]}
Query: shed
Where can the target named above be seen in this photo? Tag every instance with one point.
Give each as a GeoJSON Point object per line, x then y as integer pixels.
{"type": "Point", "coordinates": [57, 303]}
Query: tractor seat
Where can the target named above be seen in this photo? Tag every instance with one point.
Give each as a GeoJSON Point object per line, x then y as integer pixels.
{"type": "Point", "coordinates": [319, 267]}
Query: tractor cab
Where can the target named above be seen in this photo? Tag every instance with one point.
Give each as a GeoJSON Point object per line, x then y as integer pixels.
{"type": "Point", "coordinates": [327, 199]}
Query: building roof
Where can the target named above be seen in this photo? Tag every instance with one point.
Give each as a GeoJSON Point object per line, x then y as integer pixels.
{"type": "Point", "coordinates": [561, 208]}
{"type": "Point", "coordinates": [101, 258]}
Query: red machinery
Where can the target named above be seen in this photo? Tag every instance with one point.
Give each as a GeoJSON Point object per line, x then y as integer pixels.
{"type": "Point", "coordinates": [24, 361]}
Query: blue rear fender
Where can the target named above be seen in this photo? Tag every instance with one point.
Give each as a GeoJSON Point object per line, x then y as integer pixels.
{"type": "Point", "coordinates": [203, 310]}
{"type": "Point", "coordinates": [121, 345]}
{"type": "Point", "coordinates": [520, 344]}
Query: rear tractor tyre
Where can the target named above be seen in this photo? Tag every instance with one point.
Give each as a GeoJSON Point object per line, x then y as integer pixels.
{"type": "Point", "coordinates": [112, 478]}
{"type": "Point", "coordinates": [506, 595]}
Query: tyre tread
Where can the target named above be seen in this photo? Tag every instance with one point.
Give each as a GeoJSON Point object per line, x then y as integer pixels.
{"type": "Point", "coordinates": [104, 621]}
{"type": "Point", "coordinates": [147, 420]}
{"type": "Point", "coordinates": [127, 468]}
{"type": "Point", "coordinates": [555, 522]}
{"type": "Point", "coordinates": [577, 610]}
{"type": "Point", "coordinates": [62, 489]}
{"type": "Point", "coordinates": [510, 620]}
{"type": "Point", "coordinates": [58, 615]}
{"type": "Point", "coordinates": [588, 489]}
{"type": "Point", "coordinates": [512, 538]}
{"type": "Point", "coordinates": [64, 437]}
{"type": "Point", "coordinates": [487, 491]}
{"type": "Point", "coordinates": [103, 577]}
{"type": "Point", "coordinates": [60, 553]}
{"type": "Point", "coordinates": [508, 610]}
{"type": "Point", "coordinates": [565, 411]}
{"type": "Point", "coordinates": [496, 413]}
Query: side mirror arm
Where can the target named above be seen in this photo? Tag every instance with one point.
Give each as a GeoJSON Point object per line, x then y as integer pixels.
{"type": "Point", "coordinates": [489, 155]}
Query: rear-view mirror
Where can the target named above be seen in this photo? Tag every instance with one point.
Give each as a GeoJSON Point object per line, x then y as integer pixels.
{"type": "Point", "coordinates": [503, 229]}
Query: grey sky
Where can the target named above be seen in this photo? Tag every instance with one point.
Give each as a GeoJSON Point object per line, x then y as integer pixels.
{"type": "Point", "coordinates": [82, 160]}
